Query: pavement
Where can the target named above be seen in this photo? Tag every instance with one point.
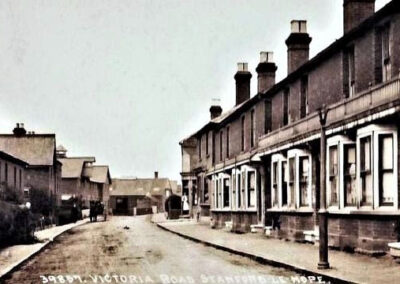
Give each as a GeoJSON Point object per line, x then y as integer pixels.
{"type": "Point", "coordinates": [12, 257]}
{"type": "Point", "coordinates": [299, 257]}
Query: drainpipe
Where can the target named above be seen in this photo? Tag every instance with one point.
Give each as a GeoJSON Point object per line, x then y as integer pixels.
{"type": "Point", "coordinates": [323, 213]}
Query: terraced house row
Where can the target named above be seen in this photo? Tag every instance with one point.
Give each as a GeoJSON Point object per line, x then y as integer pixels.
{"type": "Point", "coordinates": [258, 165]}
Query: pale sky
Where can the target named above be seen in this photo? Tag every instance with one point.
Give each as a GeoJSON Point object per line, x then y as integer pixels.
{"type": "Point", "coordinates": [125, 81]}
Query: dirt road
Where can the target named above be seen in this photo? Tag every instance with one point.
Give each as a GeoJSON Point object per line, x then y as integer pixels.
{"type": "Point", "coordinates": [106, 252]}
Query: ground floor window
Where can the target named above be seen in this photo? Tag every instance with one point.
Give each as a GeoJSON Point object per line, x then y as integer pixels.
{"type": "Point", "coordinates": [349, 171]}
{"type": "Point", "coordinates": [239, 190]}
{"type": "Point", "coordinates": [377, 170]}
{"type": "Point", "coordinates": [226, 196]}
{"type": "Point", "coordinates": [251, 189]}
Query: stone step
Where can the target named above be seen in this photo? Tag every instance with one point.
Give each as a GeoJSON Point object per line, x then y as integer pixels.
{"type": "Point", "coordinates": [257, 228]}
{"type": "Point", "coordinates": [394, 250]}
{"type": "Point", "coordinates": [311, 236]}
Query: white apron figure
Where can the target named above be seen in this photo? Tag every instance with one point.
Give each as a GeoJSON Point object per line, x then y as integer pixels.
{"type": "Point", "coordinates": [185, 206]}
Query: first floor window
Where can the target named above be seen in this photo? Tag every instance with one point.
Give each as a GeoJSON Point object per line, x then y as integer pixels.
{"type": "Point", "coordinates": [350, 192]}
{"type": "Point", "coordinates": [226, 196]}
{"type": "Point", "coordinates": [303, 180]}
{"type": "Point", "coordinates": [251, 189]}
{"type": "Point", "coordinates": [365, 171]}
{"type": "Point", "coordinates": [386, 169]}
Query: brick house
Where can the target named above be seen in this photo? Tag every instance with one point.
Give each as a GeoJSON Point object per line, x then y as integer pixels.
{"type": "Point", "coordinates": [261, 160]}
{"type": "Point", "coordinates": [12, 175]}
{"type": "Point", "coordinates": [82, 179]}
{"type": "Point", "coordinates": [43, 171]}
{"type": "Point", "coordinates": [101, 178]}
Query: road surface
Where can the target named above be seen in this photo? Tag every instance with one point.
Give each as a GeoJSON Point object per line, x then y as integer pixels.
{"type": "Point", "coordinates": [133, 250]}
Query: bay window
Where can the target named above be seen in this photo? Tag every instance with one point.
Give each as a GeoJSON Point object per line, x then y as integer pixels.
{"type": "Point", "coordinates": [300, 162]}
{"type": "Point", "coordinates": [279, 180]}
{"type": "Point", "coordinates": [377, 172]}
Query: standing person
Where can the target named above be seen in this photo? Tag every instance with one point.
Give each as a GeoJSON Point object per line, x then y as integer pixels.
{"type": "Point", "coordinates": [185, 205]}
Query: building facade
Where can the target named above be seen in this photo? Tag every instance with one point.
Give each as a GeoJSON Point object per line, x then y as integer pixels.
{"type": "Point", "coordinates": [43, 171]}
{"type": "Point", "coordinates": [139, 196]}
{"type": "Point", "coordinates": [260, 162]}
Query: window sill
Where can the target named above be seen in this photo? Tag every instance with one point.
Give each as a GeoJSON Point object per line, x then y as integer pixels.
{"type": "Point", "coordinates": [305, 210]}
{"type": "Point", "coordinates": [364, 211]}
{"type": "Point", "coordinates": [235, 210]}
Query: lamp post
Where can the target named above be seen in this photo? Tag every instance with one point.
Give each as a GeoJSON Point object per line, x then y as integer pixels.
{"type": "Point", "coordinates": [323, 213]}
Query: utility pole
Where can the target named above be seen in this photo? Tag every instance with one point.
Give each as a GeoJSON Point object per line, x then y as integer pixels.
{"type": "Point", "coordinates": [323, 213]}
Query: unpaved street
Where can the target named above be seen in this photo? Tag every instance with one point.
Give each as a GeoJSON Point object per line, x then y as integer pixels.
{"type": "Point", "coordinates": [142, 254]}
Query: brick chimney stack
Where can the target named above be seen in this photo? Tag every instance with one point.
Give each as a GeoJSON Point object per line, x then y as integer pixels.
{"type": "Point", "coordinates": [242, 77]}
{"type": "Point", "coordinates": [298, 44]}
{"type": "Point", "coordinates": [356, 11]}
{"type": "Point", "coordinates": [19, 130]}
{"type": "Point", "coordinates": [266, 71]}
{"type": "Point", "coordinates": [155, 175]}
{"type": "Point", "coordinates": [215, 111]}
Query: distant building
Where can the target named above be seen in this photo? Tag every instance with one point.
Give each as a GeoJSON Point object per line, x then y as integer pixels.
{"type": "Point", "coordinates": [82, 179]}
{"type": "Point", "coordinates": [12, 176]}
{"type": "Point", "coordinates": [43, 171]}
{"type": "Point", "coordinates": [101, 178]}
{"type": "Point", "coordinates": [140, 195]}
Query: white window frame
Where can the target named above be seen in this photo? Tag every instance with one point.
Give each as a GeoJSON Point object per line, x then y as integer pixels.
{"type": "Point", "coordinates": [233, 189]}
{"type": "Point", "coordinates": [340, 141]}
{"type": "Point", "coordinates": [244, 171]}
{"type": "Point", "coordinates": [374, 131]}
{"type": "Point", "coordinates": [297, 154]}
{"type": "Point", "coordinates": [223, 177]}
{"type": "Point", "coordinates": [277, 158]}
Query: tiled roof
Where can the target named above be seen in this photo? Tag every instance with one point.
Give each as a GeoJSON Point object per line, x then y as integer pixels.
{"type": "Point", "coordinates": [72, 167]}
{"type": "Point", "coordinates": [10, 158]}
{"type": "Point", "coordinates": [100, 174]}
{"type": "Point", "coordinates": [36, 150]}
{"type": "Point", "coordinates": [142, 187]}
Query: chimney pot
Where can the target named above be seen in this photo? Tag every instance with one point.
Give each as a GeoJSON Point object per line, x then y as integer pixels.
{"type": "Point", "coordinates": [243, 67]}
{"type": "Point", "coordinates": [156, 175]}
{"type": "Point", "coordinates": [215, 111]}
{"type": "Point", "coordinates": [299, 26]}
{"type": "Point", "coordinates": [266, 57]}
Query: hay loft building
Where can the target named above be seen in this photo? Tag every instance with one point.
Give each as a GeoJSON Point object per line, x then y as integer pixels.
{"type": "Point", "coordinates": [258, 165]}
{"type": "Point", "coordinates": [138, 196]}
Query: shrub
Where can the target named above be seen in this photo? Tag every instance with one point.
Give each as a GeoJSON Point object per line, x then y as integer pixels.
{"type": "Point", "coordinates": [41, 202]}
{"type": "Point", "coordinates": [16, 224]}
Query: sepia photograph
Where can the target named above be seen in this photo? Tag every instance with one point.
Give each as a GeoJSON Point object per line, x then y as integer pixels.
{"type": "Point", "coordinates": [199, 141]}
